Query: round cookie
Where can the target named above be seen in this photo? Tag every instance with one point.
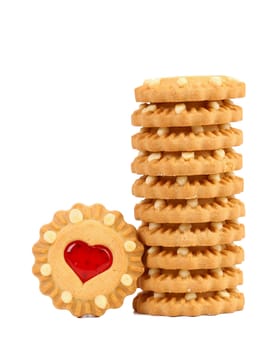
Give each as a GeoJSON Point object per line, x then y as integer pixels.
{"type": "Point", "coordinates": [186, 114]}
{"type": "Point", "coordinates": [191, 235]}
{"type": "Point", "coordinates": [189, 304]}
{"type": "Point", "coordinates": [199, 138]}
{"type": "Point", "coordinates": [189, 211]}
{"type": "Point", "coordinates": [188, 187]}
{"type": "Point", "coordinates": [187, 163]}
{"type": "Point", "coordinates": [88, 259]}
{"type": "Point", "coordinates": [190, 281]}
{"type": "Point", "coordinates": [193, 258]}
{"type": "Point", "coordinates": [192, 88]}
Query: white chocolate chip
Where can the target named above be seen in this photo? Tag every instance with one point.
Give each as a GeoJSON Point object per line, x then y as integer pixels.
{"type": "Point", "coordinates": [184, 227]}
{"type": "Point", "coordinates": [154, 156]}
{"type": "Point", "coordinates": [150, 180]}
{"type": "Point", "coordinates": [160, 204]}
{"type": "Point", "coordinates": [219, 153]}
{"type": "Point", "coordinates": [158, 295]}
{"type": "Point", "coordinates": [197, 129]}
{"type": "Point", "coordinates": [126, 280]}
{"type": "Point", "coordinates": [66, 296]}
{"type": "Point", "coordinates": [218, 272]}
{"type": "Point", "coordinates": [217, 81]}
{"type": "Point", "coordinates": [153, 250]}
{"type": "Point", "coordinates": [214, 177]}
{"type": "Point", "coordinates": [217, 225]}
{"type": "Point", "coordinates": [49, 236]}
{"type": "Point", "coordinates": [163, 131]}
{"type": "Point", "coordinates": [223, 200]}
{"type": "Point", "coordinates": [109, 219]}
{"type": "Point", "coordinates": [218, 247]}
{"type": "Point", "coordinates": [181, 180]}
{"type": "Point", "coordinates": [187, 155]}
{"type": "Point", "coordinates": [183, 251]}
{"type": "Point", "coordinates": [224, 293]}
{"type": "Point", "coordinates": [190, 296]}
{"type": "Point", "coordinates": [179, 108]}
{"type": "Point", "coordinates": [101, 301]}
{"type": "Point", "coordinates": [75, 215]}
{"type": "Point", "coordinates": [193, 203]}
{"type": "Point", "coordinates": [149, 108]}
{"type": "Point", "coordinates": [214, 105]}
{"type": "Point", "coordinates": [226, 126]}
{"type": "Point", "coordinates": [152, 272]}
{"type": "Point", "coordinates": [184, 273]}
{"type": "Point", "coordinates": [152, 82]}
{"type": "Point", "coordinates": [153, 226]}
{"type": "Point", "coordinates": [181, 81]}
{"type": "Point", "coordinates": [45, 269]}
{"type": "Point", "coordinates": [129, 246]}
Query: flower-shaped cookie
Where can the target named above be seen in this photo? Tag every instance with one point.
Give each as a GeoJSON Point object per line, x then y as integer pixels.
{"type": "Point", "coordinates": [88, 259]}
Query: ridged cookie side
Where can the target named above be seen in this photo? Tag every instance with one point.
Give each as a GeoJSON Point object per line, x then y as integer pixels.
{"type": "Point", "coordinates": [189, 211]}
{"type": "Point", "coordinates": [187, 163]}
{"type": "Point", "coordinates": [194, 281]}
{"type": "Point", "coordinates": [193, 258]}
{"type": "Point", "coordinates": [212, 303]}
{"type": "Point", "coordinates": [187, 235]}
{"type": "Point", "coordinates": [186, 114]}
{"type": "Point", "coordinates": [219, 185]}
{"type": "Point", "coordinates": [190, 88]}
{"type": "Point", "coordinates": [180, 139]}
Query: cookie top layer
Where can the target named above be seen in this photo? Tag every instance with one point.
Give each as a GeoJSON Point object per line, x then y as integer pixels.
{"type": "Point", "coordinates": [88, 259]}
{"type": "Point", "coordinates": [191, 88]}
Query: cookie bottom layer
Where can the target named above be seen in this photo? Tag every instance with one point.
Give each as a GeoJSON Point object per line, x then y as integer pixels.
{"type": "Point", "coordinates": [212, 303]}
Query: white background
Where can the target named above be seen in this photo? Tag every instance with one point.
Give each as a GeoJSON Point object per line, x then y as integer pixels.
{"type": "Point", "coordinates": [67, 74]}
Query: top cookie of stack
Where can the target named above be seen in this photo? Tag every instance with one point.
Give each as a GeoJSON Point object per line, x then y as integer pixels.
{"type": "Point", "coordinates": [194, 88]}
{"type": "Point", "coordinates": [189, 214]}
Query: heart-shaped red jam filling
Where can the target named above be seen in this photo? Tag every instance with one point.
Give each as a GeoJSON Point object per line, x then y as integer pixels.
{"type": "Point", "coordinates": [87, 261]}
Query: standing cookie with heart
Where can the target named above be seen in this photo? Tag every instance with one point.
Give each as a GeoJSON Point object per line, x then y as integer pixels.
{"type": "Point", "coordinates": [88, 259]}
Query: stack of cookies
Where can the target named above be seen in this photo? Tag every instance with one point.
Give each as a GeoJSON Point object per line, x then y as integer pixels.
{"type": "Point", "coordinates": [189, 212]}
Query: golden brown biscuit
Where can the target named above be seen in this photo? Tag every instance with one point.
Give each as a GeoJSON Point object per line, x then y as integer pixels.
{"type": "Point", "coordinates": [189, 211]}
{"type": "Point", "coordinates": [189, 304]}
{"type": "Point", "coordinates": [187, 163]}
{"type": "Point", "coordinates": [190, 281]}
{"type": "Point", "coordinates": [193, 258]}
{"type": "Point", "coordinates": [88, 259]}
{"type": "Point", "coordinates": [199, 138]}
{"type": "Point", "coordinates": [187, 187]}
{"type": "Point", "coordinates": [191, 235]}
{"type": "Point", "coordinates": [186, 114]}
{"type": "Point", "coordinates": [192, 88]}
